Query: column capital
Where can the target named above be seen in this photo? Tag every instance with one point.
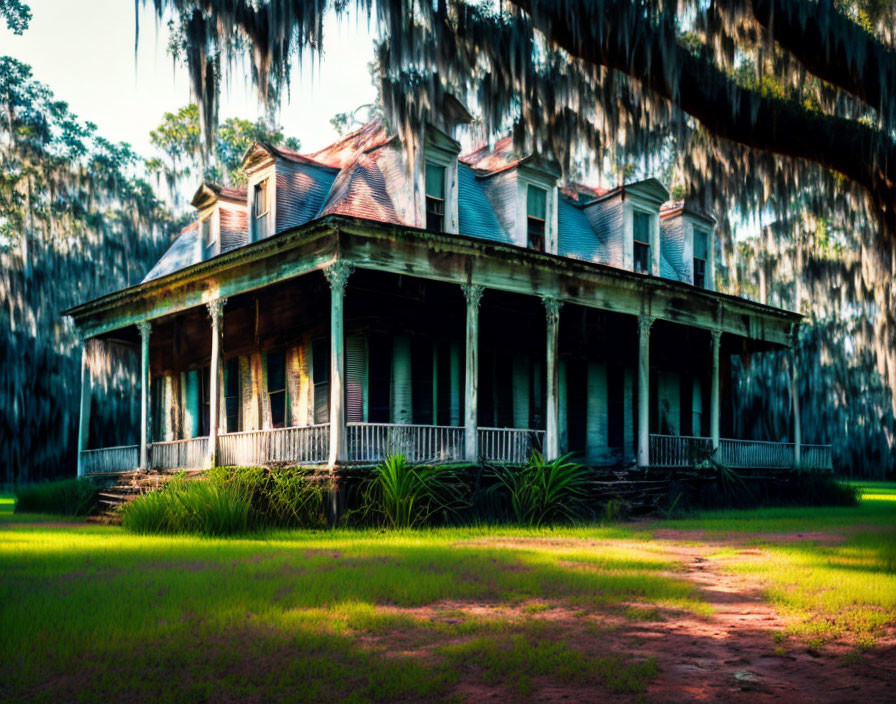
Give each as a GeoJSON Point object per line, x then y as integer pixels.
{"type": "Point", "coordinates": [552, 308]}
{"type": "Point", "coordinates": [216, 309]}
{"type": "Point", "coordinates": [337, 274]}
{"type": "Point", "coordinates": [716, 336]}
{"type": "Point", "coordinates": [645, 322]}
{"type": "Point", "coordinates": [144, 327]}
{"type": "Point", "coordinates": [473, 293]}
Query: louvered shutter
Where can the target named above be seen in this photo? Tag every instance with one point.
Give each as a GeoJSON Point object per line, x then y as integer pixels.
{"type": "Point", "coordinates": [561, 393]}
{"type": "Point", "coordinates": [454, 383]}
{"type": "Point", "coordinates": [628, 412]}
{"type": "Point", "coordinates": [247, 394]}
{"type": "Point", "coordinates": [596, 430]}
{"type": "Point", "coordinates": [356, 379]}
{"type": "Point", "coordinates": [697, 408]}
{"type": "Point", "coordinates": [320, 364]}
{"type": "Point", "coordinates": [669, 403]}
{"type": "Point", "coordinates": [521, 391]}
{"type": "Point", "coordinates": [401, 380]}
{"type": "Point", "coordinates": [190, 396]}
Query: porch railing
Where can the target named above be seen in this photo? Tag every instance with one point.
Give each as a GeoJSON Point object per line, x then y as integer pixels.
{"type": "Point", "coordinates": [123, 458]}
{"type": "Point", "coordinates": [179, 454]}
{"type": "Point", "coordinates": [686, 451]}
{"type": "Point", "coordinates": [430, 444]}
{"type": "Point", "coordinates": [510, 445]}
{"type": "Point", "coordinates": [302, 445]}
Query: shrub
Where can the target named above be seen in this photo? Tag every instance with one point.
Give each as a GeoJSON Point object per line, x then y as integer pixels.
{"type": "Point", "coordinates": [280, 498]}
{"type": "Point", "coordinates": [190, 506]}
{"type": "Point", "coordinates": [401, 495]}
{"type": "Point", "coordinates": [68, 497]}
{"type": "Point", "coordinates": [543, 492]}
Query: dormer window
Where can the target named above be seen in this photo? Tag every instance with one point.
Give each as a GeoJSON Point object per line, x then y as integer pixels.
{"type": "Point", "coordinates": [435, 197]}
{"type": "Point", "coordinates": [260, 208]}
{"type": "Point", "coordinates": [641, 236]}
{"type": "Point", "coordinates": [701, 254]}
{"type": "Point", "coordinates": [536, 215]}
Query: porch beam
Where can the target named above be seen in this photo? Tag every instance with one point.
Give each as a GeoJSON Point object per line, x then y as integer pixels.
{"type": "Point", "coordinates": [552, 308]}
{"type": "Point", "coordinates": [144, 328]}
{"type": "Point", "coordinates": [714, 405]}
{"type": "Point", "coordinates": [84, 416]}
{"type": "Point", "coordinates": [337, 276]}
{"type": "Point", "coordinates": [644, 324]}
{"type": "Point", "coordinates": [216, 313]}
{"type": "Point", "coordinates": [473, 296]}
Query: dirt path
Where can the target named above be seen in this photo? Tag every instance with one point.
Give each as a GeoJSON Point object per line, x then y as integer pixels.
{"type": "Point", "coordinates": [731, 657]}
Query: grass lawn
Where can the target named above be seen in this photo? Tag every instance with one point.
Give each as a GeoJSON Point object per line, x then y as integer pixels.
{"type": "Point", "coordinates": [91, 613]}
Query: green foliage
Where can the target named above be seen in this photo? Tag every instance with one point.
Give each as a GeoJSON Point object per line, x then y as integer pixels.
{"type": "Point", "coordinates": [543, 492]}
{"type": "Point", "coordinates": [190, 506]}
{"type": "Point", "coordinates": [67, 497]}
{"type": "Point", "coordinates": [17, 15]}
{"type": "Point", "coordinates": [280, 498]}
{"type": "Point", "coordinates": [400, 495]}
{"type": "Point", "coordinates": [178, 139]}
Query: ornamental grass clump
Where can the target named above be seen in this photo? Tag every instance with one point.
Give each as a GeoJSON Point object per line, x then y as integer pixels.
{"type": "Point", "coordinates": [400, 495]}
{"type": "Point", "coordinates": [68, 497]}
{"type": "Point", "coordinates": [542, 492]}
{"type": "Point", "coordinates": [200, 506]}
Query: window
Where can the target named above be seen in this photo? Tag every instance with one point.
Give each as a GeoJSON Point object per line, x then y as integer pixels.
{"type": "Point", "coordinates": [435, 198]}
{"type": "Point", "coordinates": [320, 373]}
{"type": "Point", "coordinates": [277, 388]}
{"type": "Point", "coordinates": [641, 235]}
{"type": "Point", "coordinates": [232, 394]}
{"type": "Point", "coordinates": [209, 240]}
{"type": "Point", "coordinates": [204, 400]}
{"type": "Point", "coordinates": [701, 251]}
{"type": "Point", "coordinates": [261, 208]}
{"type": "Point", "coordinates": [536, 199]}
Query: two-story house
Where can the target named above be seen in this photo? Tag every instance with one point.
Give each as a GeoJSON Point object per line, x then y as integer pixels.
{"type": "Point", "coordinates": [373, 298]}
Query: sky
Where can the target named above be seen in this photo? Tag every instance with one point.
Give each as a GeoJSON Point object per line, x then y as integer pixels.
{"type": "Point", "coordinates": [84, 51]}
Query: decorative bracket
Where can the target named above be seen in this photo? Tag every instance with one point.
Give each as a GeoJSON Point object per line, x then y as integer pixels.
{"type": "Point", "coordinates": [337, 275]}
{"type": "Point", "coordinates": [473, 294]}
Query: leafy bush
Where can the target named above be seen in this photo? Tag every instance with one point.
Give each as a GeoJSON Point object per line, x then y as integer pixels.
{"type": "Point", "coordinates": [543, 492]}
{"type": "Point", "coordinates": [190, 506]}
{"type": "Point", "coordinates": [280, 498]}
{"type": "Point", "coordinates": [68, 497]}
{"type": "Point", "coordinates": [401, 495]}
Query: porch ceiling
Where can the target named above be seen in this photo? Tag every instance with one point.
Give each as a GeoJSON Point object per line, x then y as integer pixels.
{"type": "Point", "coordinates": [435, 256]}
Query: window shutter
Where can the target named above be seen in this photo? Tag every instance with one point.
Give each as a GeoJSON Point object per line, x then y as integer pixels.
{"type": "Point", "coordinates": [320, 362]}
{"type": "Point", "coordinates": [697, 408]}
{"type": "Point", "coordinates": [596, 430]}
{"type": "Point", "coordinates": [356, 379]}
{"type": "Point", "coordinates": [190, 395]}
{"type": "Point", "coordinates": [247, 394]}
{"type": "Point", "coordinates": [520, 391]}
{"type": "Point", "coordinates": [454, 383]}
{"type": "Point", "coordinates": [628, 428]}
{"type": "Point", "coordinates": [401, 379]}
{"type": "Point", "coordinates": [561, 393]}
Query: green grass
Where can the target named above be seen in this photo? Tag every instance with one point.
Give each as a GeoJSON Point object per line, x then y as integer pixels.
{"type": "Point", "coordinates": [93, 613]}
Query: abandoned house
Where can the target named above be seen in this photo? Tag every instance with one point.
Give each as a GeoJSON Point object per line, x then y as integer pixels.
{"type": "Point", "coordinates": [371, 299]}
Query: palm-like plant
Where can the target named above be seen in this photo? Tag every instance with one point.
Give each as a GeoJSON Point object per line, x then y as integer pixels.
{"type": "Point", "coordinates": [406, 496]}
{"type": "Point", "coordinates": [543, 492]}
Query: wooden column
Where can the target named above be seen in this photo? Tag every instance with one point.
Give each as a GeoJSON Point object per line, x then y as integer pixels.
{"type": "Point", "coordinates": [337, 275]}
{"type": "Point", "coordinates": [795, 397]}
{"type": "Point", "coordinates": [216, 313]}
{"type": "Point", "coordinates": [644, 324]}
{"type": "Point", "coordinates": [714, 405]}
{"type": "Point", "coordinates": [144, 328]}
{"type": "Point", "coordinates": [84, 418]}
{"type": "Point", "coordinates": [473, 294]}
{"type": "Point", "coordinates": [552, 411]}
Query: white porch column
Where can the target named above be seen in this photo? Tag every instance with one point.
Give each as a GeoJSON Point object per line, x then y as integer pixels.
{"type": "Point", "coordinates": [795, 397]}
{"type": "Point", "coordinates": [552, 425]}
{"type": "Point", "coordinates": [644, 324]}
{"type": "Point", "coordinates": [84, 418]}
{"type": "Point", "coordinates": [216, 313]}
{"type": "Point", "coordinates": [337, 275]}
{"type": "Point", "coordinates": [473, 294]}
{"type": "Point", "coordinates": [145, 329]}
{"type": "Point", "coordinates": [714, 405]}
